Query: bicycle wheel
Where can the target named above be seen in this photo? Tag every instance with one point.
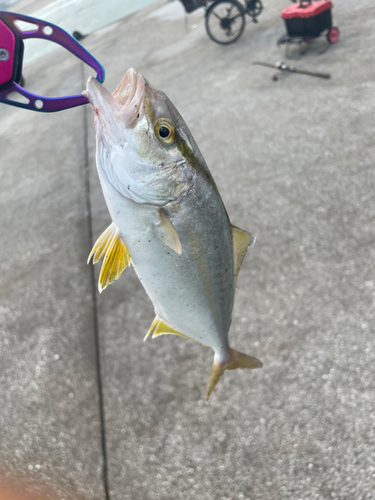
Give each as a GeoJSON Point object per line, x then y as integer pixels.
{"type": "Point", "coordinates": [225, 21]}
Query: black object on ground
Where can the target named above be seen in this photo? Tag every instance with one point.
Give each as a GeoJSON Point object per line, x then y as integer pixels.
{"type": "Point", "coordinates": [192, 5]}
{"type": "Point", "coordinates": [281, 66]}
{"type": "Point", "coordinates": [78, 36]}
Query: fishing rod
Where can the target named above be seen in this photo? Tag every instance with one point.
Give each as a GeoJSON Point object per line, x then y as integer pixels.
{"type": "Point", "coordinates": [283, 67]}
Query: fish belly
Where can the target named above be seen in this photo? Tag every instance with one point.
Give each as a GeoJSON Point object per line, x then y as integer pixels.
{"type": "Point", "coordinates": [194, 291]}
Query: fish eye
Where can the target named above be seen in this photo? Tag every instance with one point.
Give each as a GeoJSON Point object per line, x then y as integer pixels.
{"type": "Point", "coordinates": [165, 131]}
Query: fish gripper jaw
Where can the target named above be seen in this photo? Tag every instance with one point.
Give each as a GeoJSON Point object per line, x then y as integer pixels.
{"type": "Point", "coordinates": [11, 59]}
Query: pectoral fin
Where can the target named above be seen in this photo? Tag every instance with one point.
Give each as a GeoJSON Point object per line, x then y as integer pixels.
{"type": "Point", "coordinates": [116, 256]}
{"type": "Point", "coordinates": [167, 232]}
{"type": "Point", "coordinates": [160, 327]}
{"type": "Point", "coordinates": [241, 241]}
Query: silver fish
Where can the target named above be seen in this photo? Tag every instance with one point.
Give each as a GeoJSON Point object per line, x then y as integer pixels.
{"type": "Point", "coordinates": [169, 221]}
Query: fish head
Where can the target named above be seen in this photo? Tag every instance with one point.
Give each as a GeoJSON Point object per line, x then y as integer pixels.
{"type": "Point", "coordinates": [144, 149]}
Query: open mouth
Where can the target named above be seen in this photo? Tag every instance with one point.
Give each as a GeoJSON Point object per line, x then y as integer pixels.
{"type": "Point", "coordinates": [131, 89]}
{"type": "Point", "coordinates": [125, 105]}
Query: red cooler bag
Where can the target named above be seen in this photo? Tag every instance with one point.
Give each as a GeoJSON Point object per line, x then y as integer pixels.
{"type": "Point", "coordinates": [307, 18]}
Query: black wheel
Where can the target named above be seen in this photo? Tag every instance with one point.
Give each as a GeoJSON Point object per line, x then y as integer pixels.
{"type": "Point", "coordinates": [254, 8]}
{"type": "Point", "coordinates": [225, 21]}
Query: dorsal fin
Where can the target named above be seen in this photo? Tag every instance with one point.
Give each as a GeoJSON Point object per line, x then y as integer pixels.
{"type": "Point", "coordinates": [241, 241]}
{"type": "Point", "coordinates": [160, 327]}
{"type": "Point", "coordinates": [116, 256]}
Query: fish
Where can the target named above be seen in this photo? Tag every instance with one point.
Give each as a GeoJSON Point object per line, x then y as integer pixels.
{"type": "Point", "coordinates": [168, 219]}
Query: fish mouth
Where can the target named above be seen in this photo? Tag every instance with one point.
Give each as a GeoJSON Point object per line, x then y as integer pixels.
{"type": "Point", "coordinates": [131, 89]}
{"type": "Point", "coordinates": [125, 105]}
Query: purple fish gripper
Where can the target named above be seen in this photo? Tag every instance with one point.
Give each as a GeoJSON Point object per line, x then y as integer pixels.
{"type": "Point", "coordinates": [11, 56]}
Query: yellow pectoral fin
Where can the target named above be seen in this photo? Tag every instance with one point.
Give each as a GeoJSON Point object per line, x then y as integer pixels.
{"type": "Point", "coordinates": [116, 256]}
{"type": "Point", "coordinates": [160, 327]}
{"type": "Point", "coordinates": [241, 241]}
{"type": "Point", "coordinates": [102, 243]}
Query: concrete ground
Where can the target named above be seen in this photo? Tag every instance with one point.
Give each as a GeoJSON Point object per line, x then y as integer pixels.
{"type": "Point", "coordinates": [88, 408]}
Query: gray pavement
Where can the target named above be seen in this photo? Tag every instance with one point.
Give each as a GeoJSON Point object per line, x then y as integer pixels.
{"type": "Point", "coordinates": [49, 410]}
{"type": "Point", "coordinates": [293, 161]}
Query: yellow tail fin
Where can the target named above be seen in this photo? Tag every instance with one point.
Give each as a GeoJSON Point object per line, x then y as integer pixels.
{"type": "Point", "coordinates": [236, 360]}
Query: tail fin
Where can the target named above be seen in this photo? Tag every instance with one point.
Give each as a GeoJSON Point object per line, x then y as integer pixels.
{"type": "Point", "coordinates": [236, 360]}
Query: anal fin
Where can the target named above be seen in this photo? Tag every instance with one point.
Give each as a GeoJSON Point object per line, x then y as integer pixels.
{"type": "Point", "coordinates": [160, 327]}
{"type": "Point", "coordinates": [152, 328]}
{"type": "Point", "coordinates": [116, 256]}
